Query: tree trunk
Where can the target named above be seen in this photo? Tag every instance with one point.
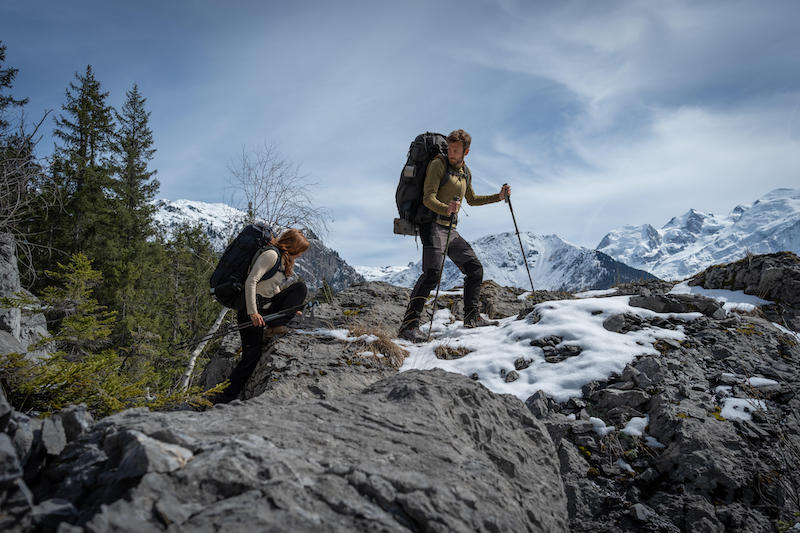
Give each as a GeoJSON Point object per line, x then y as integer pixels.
{"type": "Point", "coordinates": [187, 376]}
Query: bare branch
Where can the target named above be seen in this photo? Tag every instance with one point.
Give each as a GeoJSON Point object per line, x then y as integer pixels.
{"type": "Point", "coordinates": [272, 189]}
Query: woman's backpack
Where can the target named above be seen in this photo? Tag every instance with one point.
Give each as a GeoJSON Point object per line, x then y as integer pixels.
{"type": "Point", "coordinates": [227, 281]}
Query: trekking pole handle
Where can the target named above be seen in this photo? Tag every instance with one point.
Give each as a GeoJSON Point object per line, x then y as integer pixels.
{"type": "Point", "coordinates": [508, 196]}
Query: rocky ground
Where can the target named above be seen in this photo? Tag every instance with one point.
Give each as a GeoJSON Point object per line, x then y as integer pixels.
{"type": "Point", "coordinates": [332, 438]}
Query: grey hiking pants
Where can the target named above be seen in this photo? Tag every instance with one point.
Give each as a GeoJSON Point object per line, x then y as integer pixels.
{"type": "Point", "coordinates": [433, 238]}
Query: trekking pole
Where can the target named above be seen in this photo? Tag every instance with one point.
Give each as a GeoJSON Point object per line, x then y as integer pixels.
{"type": "Point", "coordinates": [244, 325]}
{"type": "Point", "coordinates": [524, 259]}
{"type": "Point", "coordinates": [441, 269]}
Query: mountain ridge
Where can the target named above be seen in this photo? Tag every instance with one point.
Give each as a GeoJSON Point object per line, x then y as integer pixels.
{"type": "Point", "coordinates": [690, 242]}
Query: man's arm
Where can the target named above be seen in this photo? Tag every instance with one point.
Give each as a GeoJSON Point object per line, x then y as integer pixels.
{"type": "Point", "coordinates": [474, 199]}
{"type": "Point", "coordinates": [433, 177]}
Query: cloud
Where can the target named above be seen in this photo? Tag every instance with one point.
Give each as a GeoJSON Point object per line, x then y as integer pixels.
{"type": "Point", "coordinates": [598, 114]}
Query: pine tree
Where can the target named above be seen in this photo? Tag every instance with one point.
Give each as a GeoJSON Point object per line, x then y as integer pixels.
{"type": "Point", "coordinates": [134, 188]}
{"type": "Point", "coordinates": [7, 76]}
{"type": "Point", "coordinates": [82, 170]}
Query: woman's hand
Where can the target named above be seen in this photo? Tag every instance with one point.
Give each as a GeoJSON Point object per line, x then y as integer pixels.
{"type": "Point", "coordinates": [257, 319]}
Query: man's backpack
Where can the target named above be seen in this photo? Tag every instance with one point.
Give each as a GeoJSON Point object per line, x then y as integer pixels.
{"type": "Point", "coordinates": [227, 281]}
{"type": "Point", "coordinates": [424, 148]}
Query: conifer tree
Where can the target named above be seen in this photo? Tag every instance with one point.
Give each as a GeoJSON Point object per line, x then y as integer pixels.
{"type": "Point", "coordinates": [82, 170]}
{"type": "Point", "coordinates": [7, 76]}
{"type": "Point", "coordinates": [135, 188]}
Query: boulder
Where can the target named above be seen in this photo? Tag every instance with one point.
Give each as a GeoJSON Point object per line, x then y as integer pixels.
{"type": "Point", "coordinates": [421, 450]}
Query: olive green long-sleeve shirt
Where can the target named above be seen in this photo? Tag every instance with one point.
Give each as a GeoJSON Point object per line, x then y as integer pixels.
{"type": "Point", "coordinates": [436, 198]}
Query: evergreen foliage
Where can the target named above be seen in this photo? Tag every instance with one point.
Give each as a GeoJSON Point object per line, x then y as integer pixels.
{"type": "Point", "coordinates": [7, 76]}
{"type": "Point", "coordinates": [81, 173]}
{"type": "Point", "coordinates": [134, 191]}
{"type": "Point", "coordinates": [118, 296]}
{"type": "Point", "coordinates": [84, 368]}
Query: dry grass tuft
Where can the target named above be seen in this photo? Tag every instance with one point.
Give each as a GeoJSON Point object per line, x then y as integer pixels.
{"type": "Point", "coordinates": [393, 355]}
{"type": "Point", "coordinates": [445, 351]}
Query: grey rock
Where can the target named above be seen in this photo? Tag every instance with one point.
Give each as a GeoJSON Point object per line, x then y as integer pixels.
{"type": "Point", "coordinates": [607, 399]}
{"type": "Point", "coordinates": [16, 502]}
{"type": "Point", "coordinates": [679, 303]}
{"type": "Point", "coordinates": [76, 420]}
{"type": "Point", "coordinates": [10, 467]}
{"type": "Point", "coordinates": [26, 328]}
{"type": "Point", "coordinates": [9, 283]}
{"type": "Point", "coordinates": [9, 344]}
{"type": "Point", "coordinates": [25, 432]}
{"type": "Point", "coordinates": [512, 376]}
{"type": "Point", "coordinates": [137, 454]}
{"type": "Point", "coordinates": [623, 323]}
{"type": "Point", "coordinates": [642, 513]}
{"type": "Point", "coordinates": [50, 513]}
{"type": "Point", "coordinates": [408, 452]}
{"type": "Point", "coordinates": [522, 363]}
{"type": "Point", "coordinates": [5, 410]}
{"type": "Point", "coordinates": [54, 437]}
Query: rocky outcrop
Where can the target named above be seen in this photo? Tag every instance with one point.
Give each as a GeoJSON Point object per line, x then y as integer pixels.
{"type": "Point", "coordinates": [420, 451]}
{"type": "Point", "coordinates": [773, 277]}
{"type": "Point", "coordinates": [702, 437]}
{"type": "Point", "coordinates": [319, 263]}
{"type": "Point", "coordinates": [24, 328]}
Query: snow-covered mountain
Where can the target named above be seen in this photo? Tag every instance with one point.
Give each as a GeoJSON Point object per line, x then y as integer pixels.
{"type": "Point", "coordinates": [695, 240]}
{"type": "Point", "coordinates": [555, 265]}
{"type": "Point", "coordinates": [222, 222]}
{"type": "Point", "coordinates": [217, 220]}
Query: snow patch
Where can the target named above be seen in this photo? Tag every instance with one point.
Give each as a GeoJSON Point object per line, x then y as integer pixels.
{"type": "Point", "coordinates": [741, 408]}
{"type": "Point", "coordinates": [578, 322]}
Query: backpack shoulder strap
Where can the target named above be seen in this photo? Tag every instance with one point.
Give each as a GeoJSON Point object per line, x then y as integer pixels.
{"type": "Point", "coordinates": [446, 169]}
{"type": "Point", "coordinates": [275, 268]}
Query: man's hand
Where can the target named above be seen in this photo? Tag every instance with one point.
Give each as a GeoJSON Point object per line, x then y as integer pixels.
{"type": "Point", "coordinates": [505, 191]}
{"type": "Point", "coordinates": [453, 207]}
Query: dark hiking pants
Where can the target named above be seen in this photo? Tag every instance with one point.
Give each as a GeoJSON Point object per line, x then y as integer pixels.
{"type": "Point", "coordinates": [252, 337]}
{"type": "Point", "coordinates": [433, 238]}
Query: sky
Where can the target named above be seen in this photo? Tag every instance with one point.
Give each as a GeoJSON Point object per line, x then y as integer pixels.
{"type": "Point", "coordinates": [598, 114]}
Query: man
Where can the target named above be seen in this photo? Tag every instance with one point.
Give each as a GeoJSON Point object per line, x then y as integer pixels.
{"type": "Point", "coordinates": [444, 199]}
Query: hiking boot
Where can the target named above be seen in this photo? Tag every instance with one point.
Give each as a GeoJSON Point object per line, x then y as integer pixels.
{"type": "Point", "coordinates": [413, 334]}
{"type": "Point", "coordinates": [477, 321]}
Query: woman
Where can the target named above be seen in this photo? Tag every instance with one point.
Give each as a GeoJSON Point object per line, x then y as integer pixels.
{"type": "Point", "coordinates": [262, 295]}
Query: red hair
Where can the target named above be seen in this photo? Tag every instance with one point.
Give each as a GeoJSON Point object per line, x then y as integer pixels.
{"type": "Point", "coordinates": [292, 242]}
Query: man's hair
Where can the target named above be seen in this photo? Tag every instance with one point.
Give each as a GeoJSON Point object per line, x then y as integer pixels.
{"type": "Point", "coordinates": [460, 136]}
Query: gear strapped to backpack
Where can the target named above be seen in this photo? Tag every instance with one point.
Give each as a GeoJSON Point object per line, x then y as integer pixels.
{"type": "Point", "coordinates": [227, 281]}
{"type": "Point", "coordinates": [424, 148]}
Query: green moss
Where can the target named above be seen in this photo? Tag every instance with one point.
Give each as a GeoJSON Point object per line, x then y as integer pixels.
{"type": "Point", "coordinates": [682, 415]}
{"type": "Point", "coordinates": [351, 312]}
{"type": "Point", "coordinates": [717, 413]}
{"type": "Point", "coordinates": [748, 329]}
{"type": "Point", "coordinates": [586, 453]}
{"type": "Point", "coordinates": [593, 472]}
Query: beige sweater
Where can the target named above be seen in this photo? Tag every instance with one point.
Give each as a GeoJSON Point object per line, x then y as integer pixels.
{"type": "Point", "coordinates": [266, 288]}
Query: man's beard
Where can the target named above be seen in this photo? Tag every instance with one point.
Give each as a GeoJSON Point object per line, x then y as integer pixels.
{"type": "Point", "coordinates": [457, 164]}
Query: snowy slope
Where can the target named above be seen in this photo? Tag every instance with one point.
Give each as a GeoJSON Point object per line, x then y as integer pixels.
{"type": "Point", "coordinates": [217, 220]}
{"type": "Point", "coordinates": [493, 352]}
{"type": "Point", "coordinates": [695, 240]}
{"type": "Point", "coordinates": [555, 265]}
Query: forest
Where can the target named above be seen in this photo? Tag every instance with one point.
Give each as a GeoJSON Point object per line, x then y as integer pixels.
{"type": "Point", "coordinates": [118, 294]}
